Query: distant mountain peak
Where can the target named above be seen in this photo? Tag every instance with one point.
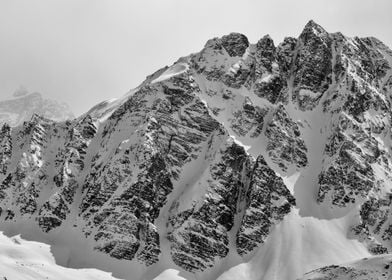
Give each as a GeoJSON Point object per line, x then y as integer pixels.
{"type": "Point", "coordinates": [21, 91]}
{"type": "Point", "coordinates": [311, 24]}
{"type": "Point", "coordinates": [24, 105]}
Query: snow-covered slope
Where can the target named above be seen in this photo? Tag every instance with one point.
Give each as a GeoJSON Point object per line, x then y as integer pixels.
{"type": "Point", "coordinates": [374, 268]}
{"type": "Point", "coordinates": [28, 260]}
{"type": "Point", "coordinates": [241, 161]}
{"type": "Point", "coordinates": [23, 105]}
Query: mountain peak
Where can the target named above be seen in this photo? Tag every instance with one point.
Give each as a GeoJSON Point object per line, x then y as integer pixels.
{"type": "Point", "coordinates": [21, 91]}
{"type": "Point", "coordinates": [312, 23]}
{"type": "Point", "coordinates": [235, 43]}
{"type": "Point", "coordinates": [312, 28]}
{"type": "Point", "coordinates": [266, 41]}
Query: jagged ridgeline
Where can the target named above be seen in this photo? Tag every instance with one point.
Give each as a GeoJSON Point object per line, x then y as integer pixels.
{"type": "Point", "coordinates": [242, 160]}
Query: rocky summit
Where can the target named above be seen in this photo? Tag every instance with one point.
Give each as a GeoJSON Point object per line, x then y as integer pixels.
{"type": "Point", "coordinates": [242, 161]}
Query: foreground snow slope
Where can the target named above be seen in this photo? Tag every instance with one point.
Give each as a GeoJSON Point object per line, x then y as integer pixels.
{"type": "Point", "coordinates": [28, 260]}
{"type": "Point", "coordinates": [375, 268]}
{"type": "Point", "coordinates": [249, 161]}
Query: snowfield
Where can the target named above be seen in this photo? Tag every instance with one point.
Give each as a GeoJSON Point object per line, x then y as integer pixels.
{"type": "Point", "coordinates": [29, 260]}
{"type": "Point", "coordinates": [375, 268]}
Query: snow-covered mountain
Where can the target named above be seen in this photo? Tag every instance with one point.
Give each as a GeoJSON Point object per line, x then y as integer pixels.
{"type": "Point", "coordinates": [241, 161]}
{"type": "Point", "coordinates": [23, 105]}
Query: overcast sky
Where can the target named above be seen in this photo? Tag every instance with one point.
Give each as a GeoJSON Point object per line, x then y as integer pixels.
{"type": "Point", "coordinates": [86, 51]}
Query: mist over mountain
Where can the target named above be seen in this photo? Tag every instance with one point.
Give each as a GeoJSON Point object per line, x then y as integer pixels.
{"type": "Point", "coordinates": [23, 105]}
{"type": "Point", "coordinates": [241, 161]}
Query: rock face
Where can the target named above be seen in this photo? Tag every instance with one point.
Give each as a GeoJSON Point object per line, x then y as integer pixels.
{"type": "Point", "coordinates": [24, 105]}
{"type": "Point", "coordinates": [313, 66]}
{"type": "Point", "coordinates": [267, 202]}
{"type": "Point", "coordinates": [285, 145]}
{"type": "Point", "coordinates": [204, 165]}
{"type": "Point", "coordinates": [213, 215]}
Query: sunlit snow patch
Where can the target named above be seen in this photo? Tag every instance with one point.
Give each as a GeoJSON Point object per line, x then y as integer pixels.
{"type": "Point", "coordinates": [28, 260]}
{"type": "Point", "coordinates": [169, 274]}
{"type": "Point", "coordinates": [238, 142]}
{"type": "Point", "coordinates": [290, 181]}
{"type": "Point", "coordinates": [173, 70]}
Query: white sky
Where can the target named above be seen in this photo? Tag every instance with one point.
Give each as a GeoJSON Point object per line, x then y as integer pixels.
{"type": "Point", "coordinates": [86, 51]}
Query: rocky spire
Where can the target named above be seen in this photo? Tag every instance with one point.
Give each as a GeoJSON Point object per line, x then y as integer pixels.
{"type": "Point", "coordinates": [311, 30]}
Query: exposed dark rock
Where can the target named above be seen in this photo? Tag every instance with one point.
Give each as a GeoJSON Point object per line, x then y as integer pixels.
{"type": "Point", "coordinates": [267, 202]}
{"type": "Point", "coordinates": [235, 44]}
{"type": "Point", "coordinates": [285, 145]}
{"type": "Point", "coordinates": [200, 234]}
